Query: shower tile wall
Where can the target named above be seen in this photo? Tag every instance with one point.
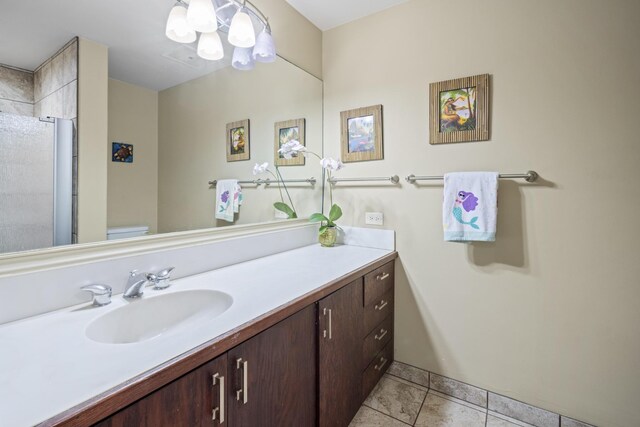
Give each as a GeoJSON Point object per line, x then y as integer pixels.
{"type": "Point", "coordinates": [55, 92]}
{"type": "Point", "coordinates": [16, 91]}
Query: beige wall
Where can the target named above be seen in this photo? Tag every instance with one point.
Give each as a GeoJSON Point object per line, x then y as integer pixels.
{"type": "Point", "coordinates": [549, 313]}
{"type": "Point", "coordinates": [192, 135]}
{"type": "Point", "coordinates": [92, 137]}
{"type": "Point", "coordinates": [296, 38]}
{"type": "Point", "coordinates": [132, 195]}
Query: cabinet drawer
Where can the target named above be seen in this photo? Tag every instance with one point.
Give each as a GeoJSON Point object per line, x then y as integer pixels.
{"type": "Point", "coordinates": [376, 340]}
{"type": "Point", "coordinates": [377, 311]}
{"type": "Point", "coordinates": [378, 283]}
{"type": "Point", "coordinates": [376, 369]}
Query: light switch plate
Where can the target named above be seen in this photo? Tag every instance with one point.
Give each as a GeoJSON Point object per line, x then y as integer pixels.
{"type": "Point", "coordinates": [374, 218]}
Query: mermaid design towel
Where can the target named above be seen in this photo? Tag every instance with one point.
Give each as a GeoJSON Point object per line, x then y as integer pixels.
{"type": "Point", "coordinates": [470, 206]}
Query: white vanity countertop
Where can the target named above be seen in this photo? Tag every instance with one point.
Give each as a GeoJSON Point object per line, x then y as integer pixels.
{"type": "Point", "coordinates": [48, 365]}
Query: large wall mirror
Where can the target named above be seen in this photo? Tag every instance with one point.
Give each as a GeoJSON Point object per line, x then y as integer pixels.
{"type": "Point", "coordinates": [110, 129]}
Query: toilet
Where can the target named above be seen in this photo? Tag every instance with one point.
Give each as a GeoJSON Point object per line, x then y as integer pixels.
{"type": "Point", "coordinates": [115, 233]}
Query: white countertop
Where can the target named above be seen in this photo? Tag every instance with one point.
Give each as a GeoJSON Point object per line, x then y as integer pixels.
{"type": "Point", "coordinates": [48, 365]}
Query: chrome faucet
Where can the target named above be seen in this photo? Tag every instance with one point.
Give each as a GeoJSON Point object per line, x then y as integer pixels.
{"type": "Point", "coordinates": [135, 284]}
{"type": "Point", "coordinates": [101, 294]}
{"type": "Point", "coordinates": [161, 279]}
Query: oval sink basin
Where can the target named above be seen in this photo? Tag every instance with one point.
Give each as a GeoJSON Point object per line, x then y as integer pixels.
{"type": "Point", "coordinates": [147, 318]}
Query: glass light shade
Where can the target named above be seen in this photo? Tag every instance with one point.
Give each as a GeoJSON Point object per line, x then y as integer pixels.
{"type": "Point", "coordinates": [210, 46]}
{"type": "Point", "coordinates": [242, 59]}
{"type": "Point", "coordinates": [241, 32]}
{"type": "Point", "coordinates": [201, 16]}
{"type": "Point", "coordinates": [177, 28]}
{"type": "Point", "coordinates": [265, 48]}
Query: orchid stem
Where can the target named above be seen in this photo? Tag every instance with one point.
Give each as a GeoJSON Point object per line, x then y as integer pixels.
{"type": "Point", "coordinates": [285, 189]}
{"type": "Point", "coordinates": [278, 181]}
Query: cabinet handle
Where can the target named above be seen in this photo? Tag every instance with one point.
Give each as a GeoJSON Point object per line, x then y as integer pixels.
{"type": "Point", "coordinates": [382, 276]}
{"type": "Point", "coordinates": [324, 334]}
{"type": "Point", "coordinates": [244, 392]}
{"type": "Point", "coordinates": [383, 332]}
{"type": "Point", "coordinates": [383, 362]}
{"type": "Point", "coordinates": [217, 378]}
{"type": "Point", "coordinates": [382, 305]}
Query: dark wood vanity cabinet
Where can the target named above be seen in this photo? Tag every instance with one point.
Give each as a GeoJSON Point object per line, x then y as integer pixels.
{"type": "Point", "coordinates": [273, 375]}
{"type": "Point", "coordinates": [189, 401]}
{"type": "Point", "coordinates": [340, 344]}
{"type": "Point", "coordinates": [313, 368]}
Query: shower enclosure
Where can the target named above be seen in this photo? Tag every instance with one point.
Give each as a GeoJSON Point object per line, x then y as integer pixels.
{"type": "Point", "coordinates": [36, 182]}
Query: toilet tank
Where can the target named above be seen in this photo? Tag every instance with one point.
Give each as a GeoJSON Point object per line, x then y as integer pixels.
{"type": "Point", "coordinates": [114, 233]}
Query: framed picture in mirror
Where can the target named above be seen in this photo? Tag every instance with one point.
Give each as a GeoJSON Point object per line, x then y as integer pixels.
{"type": "Point", "coordinates": [289, 130]}
{"type": "Point", "coordinates": [238, 141]}
{"type": "Point", "coordinates": [361, 134]}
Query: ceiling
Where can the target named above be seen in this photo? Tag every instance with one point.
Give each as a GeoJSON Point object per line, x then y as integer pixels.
{"type": "Point", "coordinates": [139, 52]}
{"type": "Point", "coordinates": [327, 14]}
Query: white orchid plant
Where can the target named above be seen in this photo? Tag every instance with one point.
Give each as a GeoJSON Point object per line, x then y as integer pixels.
{"type": "Point", "coordinates": [290, 211]}
{"type": "Point", "coordinates": [292, 149]}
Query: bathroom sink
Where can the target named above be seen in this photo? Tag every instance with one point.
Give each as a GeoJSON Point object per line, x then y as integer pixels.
{"type": "Point", "coordinates": [149, 317]}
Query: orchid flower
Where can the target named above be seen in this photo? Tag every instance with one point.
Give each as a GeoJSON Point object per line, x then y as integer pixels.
{"type": "Point", "coordinates": [260, 168]}
{"type": "Point", "coordinates": [291, 149]}
{"type": "Point", "coordinates": [331, 164]}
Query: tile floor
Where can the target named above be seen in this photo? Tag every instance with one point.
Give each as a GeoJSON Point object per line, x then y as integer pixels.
{"type": "Point", "coordinates": [396, 402]}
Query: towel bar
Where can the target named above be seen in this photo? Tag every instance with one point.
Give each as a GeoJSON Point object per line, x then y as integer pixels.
{"type": "Point", "coordinates": [530, 176]}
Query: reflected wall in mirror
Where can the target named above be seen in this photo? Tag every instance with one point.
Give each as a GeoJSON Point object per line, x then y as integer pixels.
{"type": "Point", "coordinates": [122, 80]}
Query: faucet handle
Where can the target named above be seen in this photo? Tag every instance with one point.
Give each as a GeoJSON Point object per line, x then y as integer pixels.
{"type": "Point", "coordinates": [161, 279]}
{"type": "Point", "coordinates": [101, 294]}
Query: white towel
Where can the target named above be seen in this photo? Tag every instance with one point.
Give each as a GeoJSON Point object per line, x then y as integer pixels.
{"type": "Point", "coordinates": [470, 207]}
{"type": "Point", "coordinates": [228, 199]}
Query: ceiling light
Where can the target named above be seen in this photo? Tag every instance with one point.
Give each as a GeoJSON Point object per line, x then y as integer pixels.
{"type": "Point", "coordinates": [177, 28]}
{"type": "Point", "coordinates": [201, 16]}
{"type": "Point", "coordinates": [242, 59]}
{"type": "Point", "coordinates": [241, 32]}
{"type": "Point", "coordinates": [210, 46]}
{"type": "Point", "coordinates": [265, 48]}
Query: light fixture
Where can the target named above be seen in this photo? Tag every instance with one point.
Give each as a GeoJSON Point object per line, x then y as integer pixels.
{"type": "Point", "coordinates": [236, 18]}
{"type": "Point", "coordinates": [201, 16]}
{"type": "Point", "coordinates": [265, 48]}
{"type": "Point", "coordinates": [177, 28]}
{"type": "Point", "coordinates": [241, 32]}
{"type": "Point", "coordinates": [242, 59]}
{"type": "Point", "coordinates": [210, 46]}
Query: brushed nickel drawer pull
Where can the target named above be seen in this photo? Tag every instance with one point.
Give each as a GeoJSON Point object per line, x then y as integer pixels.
{"type": "Point", "coordinates": [383, 362]}
{"type": "Point", "coordinates": [217, 378]}
{"type": "Point", "coordinates": [383, 332]}
{"type": "Point", "coordinates": [382, 305]}
{"type": "Point", "coordinates": [244, 392]}
{"type": "Point", "coordinates": [382, 276]}
{"type": "Point", "coordinates": [324, 333]}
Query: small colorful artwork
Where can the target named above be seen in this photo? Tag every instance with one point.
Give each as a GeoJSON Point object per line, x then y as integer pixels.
{"type": "Point", "coordinates": [121, 152]}
{"type": "Point", "coordinates": [361, 134]}
{"type": "Point", "coordinates": [238, 141]}
{"type": "Point", "coordinates": [458, 109]}
{"type": "Point", "coordinates": [290, 130]}
{"type": "Point", "coordinates": [468, 202]}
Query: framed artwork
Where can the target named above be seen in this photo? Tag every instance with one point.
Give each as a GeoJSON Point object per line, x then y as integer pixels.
{"type": "Point", "coordinates": [121, 152]}
{"type": "Point", "coordinates": [284, 132]}
{"type": "Point", "coordinates": [238, 141]}
{"type": "Point", "coordinates": [459, 110]}
{"type": "Point", "coordinates": [361, 134]}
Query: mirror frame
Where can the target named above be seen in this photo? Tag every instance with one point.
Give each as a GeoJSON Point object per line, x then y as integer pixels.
{"type": "Point", "coordinates": [16, 263]}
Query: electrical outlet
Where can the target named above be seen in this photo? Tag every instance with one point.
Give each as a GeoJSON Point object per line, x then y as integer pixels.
{"type": "Point", "coordinates": [374, 218]}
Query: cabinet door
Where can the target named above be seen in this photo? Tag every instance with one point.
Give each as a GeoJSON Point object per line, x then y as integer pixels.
{"type": "Point", "coordinates": [340, 349]}
{"type": "Point", "coordinates": [273, 375]}
{"type": "Point", "coordinates": [192, 400]}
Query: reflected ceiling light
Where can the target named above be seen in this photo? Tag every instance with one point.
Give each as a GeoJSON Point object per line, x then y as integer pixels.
{"type": "Point", "coordinates": [177, 28]}
{"type": "Point", "coordinates": [241, 32]}
{"type": "Point", "coordinates": [210, 46]}
{"type": "Point", "coordinates": [242, 59]}
{"type": "Point", "coordinates": [234, 17]}
{"type": "Point", "coordinates": [265, 48]}
{"type": "Point", "coordinates": [201, 16]}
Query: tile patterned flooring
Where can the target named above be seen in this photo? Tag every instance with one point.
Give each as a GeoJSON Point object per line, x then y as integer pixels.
{"type": "Point", "coordinates": [407, 396]}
